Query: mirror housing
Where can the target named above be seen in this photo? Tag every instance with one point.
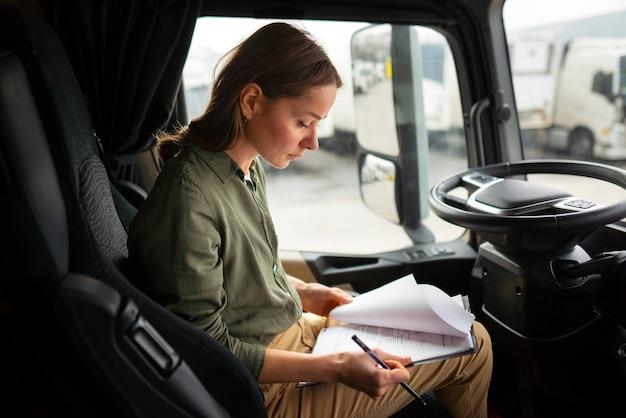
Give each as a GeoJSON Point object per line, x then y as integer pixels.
{"type": "Point", "coordinates": [603, 84]}
{"type": "Point", "coordinates": [377, 178]}
{"type": "Point", "coordinates": [391, 126]}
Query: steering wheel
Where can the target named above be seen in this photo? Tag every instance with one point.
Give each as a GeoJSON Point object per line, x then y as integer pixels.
{"type": "Point", "coordinates": [519, 216]}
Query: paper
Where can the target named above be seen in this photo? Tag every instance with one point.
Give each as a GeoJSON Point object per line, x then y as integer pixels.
{"type": "Point", "coordinates": [403, 304]}
{"type": "Point", "coordinates": [420, 346]}
{"type": "Point", "coordinates": [403, 318]}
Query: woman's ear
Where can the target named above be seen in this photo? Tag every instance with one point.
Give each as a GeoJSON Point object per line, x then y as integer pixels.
{"type": "Point", "coordinates": [250, 99]}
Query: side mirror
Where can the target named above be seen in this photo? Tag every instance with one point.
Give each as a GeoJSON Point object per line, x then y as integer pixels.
{"type": "Point", "coordinates": [603, 84]}
{"type": "Point", "coordinates": [390, 125]}
{"type": "Point", "coordinates": [377, 178]}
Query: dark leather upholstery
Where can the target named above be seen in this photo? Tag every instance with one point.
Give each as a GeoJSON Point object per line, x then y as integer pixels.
{"type": "Point", "coordinates": [69, 243]}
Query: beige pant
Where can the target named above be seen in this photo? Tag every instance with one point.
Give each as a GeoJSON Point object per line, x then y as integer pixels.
{"type": "Point", "coordinates": [460, 384]}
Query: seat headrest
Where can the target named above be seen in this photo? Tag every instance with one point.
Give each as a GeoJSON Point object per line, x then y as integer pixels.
{"type": "Point", "coordinates": [68, 128]}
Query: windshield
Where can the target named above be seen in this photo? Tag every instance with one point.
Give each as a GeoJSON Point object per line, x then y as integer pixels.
{"type": "Point", "coordinates": [567, 76]}
{"type": "Point", "coordinates": [622, 77]}
{"type": "Point", "coordinates": [567, 68]}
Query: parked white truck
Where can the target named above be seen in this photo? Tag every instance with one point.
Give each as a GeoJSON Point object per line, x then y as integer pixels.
{"type": "Point", "coordinates": [570, 87]}
{"type": "Point", "coordinates": [442, 106]}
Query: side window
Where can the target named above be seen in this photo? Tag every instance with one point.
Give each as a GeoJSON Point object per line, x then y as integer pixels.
{"type": "Point", "coordinates": [317, 202]}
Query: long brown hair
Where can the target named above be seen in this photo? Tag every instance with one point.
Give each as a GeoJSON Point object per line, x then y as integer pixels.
{"type": "Point", "coordinates": [283, 60]}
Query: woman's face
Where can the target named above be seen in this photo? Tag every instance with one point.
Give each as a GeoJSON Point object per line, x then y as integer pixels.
{"type": "Point", "coordinates": [283, 129]}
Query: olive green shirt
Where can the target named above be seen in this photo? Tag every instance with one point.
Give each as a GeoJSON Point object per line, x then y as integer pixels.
{"type": "Point", "coordinates": [205, 246]}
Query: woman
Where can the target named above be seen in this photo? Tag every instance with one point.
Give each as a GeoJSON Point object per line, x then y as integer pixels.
{"type": "Point", "coordinates": [206, 246]}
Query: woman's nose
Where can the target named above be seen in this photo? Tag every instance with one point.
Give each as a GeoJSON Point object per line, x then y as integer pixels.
{"type": "Point", "coordinates": [310, 141]}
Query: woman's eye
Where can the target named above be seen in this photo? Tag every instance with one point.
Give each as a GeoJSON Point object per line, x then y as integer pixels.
{"type": "Point", "coordinates": [304, 125]}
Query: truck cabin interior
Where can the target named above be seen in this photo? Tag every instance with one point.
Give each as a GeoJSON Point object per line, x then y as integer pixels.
{"type": "Point", "coordinates": [85, 85]}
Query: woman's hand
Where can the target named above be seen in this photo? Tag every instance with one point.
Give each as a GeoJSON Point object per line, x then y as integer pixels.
{"type": "Point", "coordinates": [352, 368]}
{"type": "Point", "coordinates": [361, 372]}
{"type": "Point", "coordinates": [319, 299]}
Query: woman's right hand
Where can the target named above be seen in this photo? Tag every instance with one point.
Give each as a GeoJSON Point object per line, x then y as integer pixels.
{"type": "Point", "coordinates": [359, 371]}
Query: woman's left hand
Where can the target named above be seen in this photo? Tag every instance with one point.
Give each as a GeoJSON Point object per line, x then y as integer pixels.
{"type": "Point", "coordinates": [318, 298]}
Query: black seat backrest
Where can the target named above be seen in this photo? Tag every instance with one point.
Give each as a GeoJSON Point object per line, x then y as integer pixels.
{"type": "Point", "coordinates": [96, 239]}
{"type": "Point", "coordinates": [36, 242]}
{"type": "Point", "coordinates": [36, 360]}
{"type": "Point", "coordinates": [32, 207]}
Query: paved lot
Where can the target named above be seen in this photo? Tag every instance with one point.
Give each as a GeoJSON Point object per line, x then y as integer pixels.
{"type": "Point", "coordinates": [317, 206]}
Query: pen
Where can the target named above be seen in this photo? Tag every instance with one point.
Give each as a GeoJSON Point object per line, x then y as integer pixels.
{"type": "Point", "coordinates": [384, 366]}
